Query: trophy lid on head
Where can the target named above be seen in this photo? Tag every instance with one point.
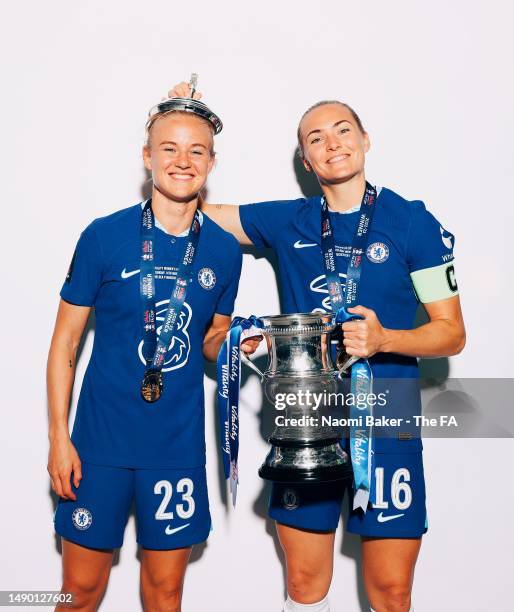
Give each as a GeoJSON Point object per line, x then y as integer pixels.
{"type": "Point", "coordinates": [189, 105]}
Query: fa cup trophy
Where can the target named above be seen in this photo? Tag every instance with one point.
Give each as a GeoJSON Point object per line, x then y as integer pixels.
{"type": "Point", "coordinates": [298, 381]}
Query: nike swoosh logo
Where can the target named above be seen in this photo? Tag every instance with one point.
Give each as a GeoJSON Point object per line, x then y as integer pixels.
{"type": "Point", "coordinates": [169, 531]}
{"type": "Point", "coordinates": [303, 245]}
{"type": "Point", "coordinates": [383, 519]}
{"type": "Point", "coordinates": [125, 274]}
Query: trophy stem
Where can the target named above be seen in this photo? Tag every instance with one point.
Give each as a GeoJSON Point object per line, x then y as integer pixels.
{"type": "Point", "coordinates": [321, 443]}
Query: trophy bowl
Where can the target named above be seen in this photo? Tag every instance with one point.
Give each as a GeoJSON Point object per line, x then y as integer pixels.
{"type": "Point", "coordinates": [305, 447]}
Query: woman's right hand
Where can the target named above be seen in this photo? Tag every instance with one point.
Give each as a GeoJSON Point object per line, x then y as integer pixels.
{"type": "Point", "coordinates": [182, 90]}
{"type": "Point", "coordinates": [250, 345]}
{"type": "Point", "coordinates": [63, 459]}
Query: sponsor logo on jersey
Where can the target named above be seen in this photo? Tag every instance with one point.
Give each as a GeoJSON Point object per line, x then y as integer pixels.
{"type": "Point", "coordinates": [207, 278]}
{"type": "Point", "coordinates": [290, 499]}
{"type": "Point", "coordinates": [383, 519]}
{"type": "Point", "coordinates": [377, 252]}
{"type": "Point", "coordinates": [303, 245]}
{"type": "Point", "coordinates": [82, 518]}
{"type": "Point", "coordinates": [170, 531]}
{"type": "Point", "coordinates": [180, 345]}
{"type": "Point", "coordinates": [447, 238]}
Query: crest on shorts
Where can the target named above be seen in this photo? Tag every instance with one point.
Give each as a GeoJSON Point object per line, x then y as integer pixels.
{"type": "Point", "coordinates": [290, 499]}
{"type": "Point", "coordinates": [82, 518]}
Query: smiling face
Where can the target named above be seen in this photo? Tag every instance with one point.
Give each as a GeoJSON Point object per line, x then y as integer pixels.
{"type": "Point", "coordinates": [179, 154]}
{"type": "Point", "coordinates": [333, 144]}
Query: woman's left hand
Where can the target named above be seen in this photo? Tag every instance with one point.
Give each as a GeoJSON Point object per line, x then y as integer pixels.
{"type": "Point", "coordinates": [363, 337]}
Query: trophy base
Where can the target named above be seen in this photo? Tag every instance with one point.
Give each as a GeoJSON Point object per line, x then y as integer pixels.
{"type": "Point", "coordinates": [306, 461]}
{"type": "Point", "coordinates": [294, 475]}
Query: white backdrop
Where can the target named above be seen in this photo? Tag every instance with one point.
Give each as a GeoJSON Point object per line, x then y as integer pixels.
{"type": "Point", "coordinates": [431, 83]}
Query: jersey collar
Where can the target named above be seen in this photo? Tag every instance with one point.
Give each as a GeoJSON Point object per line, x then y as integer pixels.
{"type": "Point", "coordinates": [353, 209]}
{"type": "Point", "coordinates": [159, 225]}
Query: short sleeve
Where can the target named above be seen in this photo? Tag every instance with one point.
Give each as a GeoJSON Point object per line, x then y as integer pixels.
{"type": "Point", "coordinates": [225, 305]}
{"type": "Point", "coordinates": [263, 222]}
{"type": "Point", "coordinates": [430, 256]}
{"type": "Point", "coordinates": [85, 272]}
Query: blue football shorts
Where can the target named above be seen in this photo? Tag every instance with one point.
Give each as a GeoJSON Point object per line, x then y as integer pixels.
{"type": "Point", "coordinates": [171, 507]}
{"type": "Point", "coordinates": [396, 510]}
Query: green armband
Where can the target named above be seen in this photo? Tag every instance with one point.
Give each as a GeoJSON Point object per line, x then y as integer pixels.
{"type": "Point", "coordinates": [433, 284]}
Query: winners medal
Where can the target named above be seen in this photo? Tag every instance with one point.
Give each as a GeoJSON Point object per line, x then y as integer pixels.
{"type": "Point", "coordinates": [151, 387]}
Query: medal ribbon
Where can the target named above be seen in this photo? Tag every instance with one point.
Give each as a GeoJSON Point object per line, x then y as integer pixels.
{"type": "Point", "coordinates": [155, 348]}
{"type": "Point", "coordinates": [229, 380]}
{"type": "Point", "coordinates": [341, 299]}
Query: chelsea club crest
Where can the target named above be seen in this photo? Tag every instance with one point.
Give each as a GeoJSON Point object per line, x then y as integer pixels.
{"type": "Point", "coordinates": [378, 252]}
{"type": "Point", "coordinates": [82, 518]}
{"type": "Point", "coordinates": [207, 278]}
{"type": "Point", "coordinates": [290, 499]}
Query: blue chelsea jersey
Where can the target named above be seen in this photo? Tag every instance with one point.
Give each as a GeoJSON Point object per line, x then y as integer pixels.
{"type": "Point", "coordinates": [114, 425]}
{"type": "Point", "coordinates": [409, 259]}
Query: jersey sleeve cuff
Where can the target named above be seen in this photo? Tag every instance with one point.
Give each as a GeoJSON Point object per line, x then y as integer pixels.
{"type": "Point", "coordinates": [76, 300]}
{"type": "Point", "coordinates": [246, 224]}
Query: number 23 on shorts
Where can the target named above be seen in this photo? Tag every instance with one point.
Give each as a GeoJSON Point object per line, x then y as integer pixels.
{"type": "Point", "coordinates": [185, 509]}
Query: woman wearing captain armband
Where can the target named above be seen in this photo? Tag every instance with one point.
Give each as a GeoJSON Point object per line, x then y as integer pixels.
{"type": "Point", "coordinates": [407, 260]}
{"type": "Point", "coordinates": [162, 278]}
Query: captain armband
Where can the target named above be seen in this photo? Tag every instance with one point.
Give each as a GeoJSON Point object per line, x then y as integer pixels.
{"type": "Point", "coordinates": [437, 283]}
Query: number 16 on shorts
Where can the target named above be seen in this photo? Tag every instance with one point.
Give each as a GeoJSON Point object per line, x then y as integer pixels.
{"type": "Point", "coordinates": [400, 494]}
{"type": "Point", "coordinates": [397, 501]}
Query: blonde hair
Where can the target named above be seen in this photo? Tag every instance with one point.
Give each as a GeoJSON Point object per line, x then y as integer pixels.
{"type": "Point", "coordinates": [324, 103]}
{"type": "Point", "coordinates": [160, 115]}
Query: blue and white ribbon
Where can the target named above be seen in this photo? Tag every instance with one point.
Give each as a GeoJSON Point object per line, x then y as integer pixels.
{"type": "Point", "coordinates": [361, 438]}
{"type": "Point", "coordinates": [229, 381]}
{"type": "Point", "coordinates": [155, 347]}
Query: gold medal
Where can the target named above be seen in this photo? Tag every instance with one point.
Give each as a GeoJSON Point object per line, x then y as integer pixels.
{"type": "Point", "coordinates": [151, 387]}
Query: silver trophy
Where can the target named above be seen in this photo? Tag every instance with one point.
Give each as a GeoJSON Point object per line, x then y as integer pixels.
{"type": "Point", "coordinates": [304, 446]}
{"type": "Point", "coordinates": [189, 105]}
